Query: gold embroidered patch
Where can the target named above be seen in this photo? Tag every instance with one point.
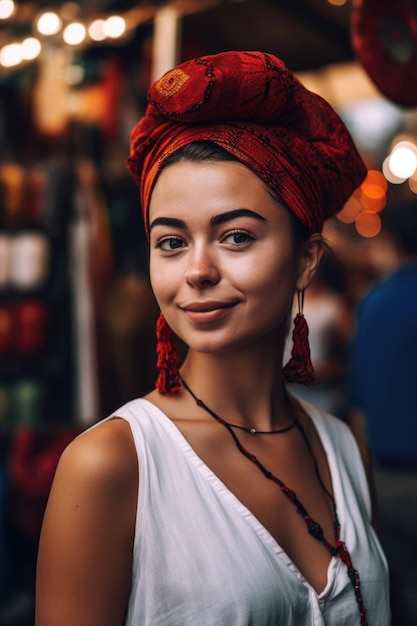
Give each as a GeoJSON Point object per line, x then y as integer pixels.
{"type": "Point", "coordinates": [172, 82]}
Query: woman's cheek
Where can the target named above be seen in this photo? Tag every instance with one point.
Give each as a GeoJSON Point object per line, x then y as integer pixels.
{"type": "Point", "coordinates": [162, 281]}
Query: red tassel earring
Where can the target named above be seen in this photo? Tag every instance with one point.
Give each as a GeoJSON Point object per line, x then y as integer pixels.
{"type": "Point", "coordinates": [299, 368]}
{"type": "Point", "coordinates": [169, 380]}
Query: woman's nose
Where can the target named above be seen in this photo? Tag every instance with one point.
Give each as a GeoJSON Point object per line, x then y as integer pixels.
{"type": "Point", "coordinates": [202, 269]}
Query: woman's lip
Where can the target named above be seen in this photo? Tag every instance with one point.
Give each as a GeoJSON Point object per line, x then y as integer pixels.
{"type": "Point", "coordinates": [207, 312]}
{"type": "Point", "coordinates": [204, 307]}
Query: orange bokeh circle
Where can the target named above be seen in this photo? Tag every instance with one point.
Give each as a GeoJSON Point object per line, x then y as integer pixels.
{"type": "Point", "coordinates": [373, 198]}
{"type": "Point", "coordinates": [375, 177]}
{"type": "Point", "coordinates": [350, 211]}
{"type": "Point", "coordinates": [368, 224]}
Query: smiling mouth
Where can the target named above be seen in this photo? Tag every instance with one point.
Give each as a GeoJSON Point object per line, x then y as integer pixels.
{"type": "Point", "coordinates": [208, 311]}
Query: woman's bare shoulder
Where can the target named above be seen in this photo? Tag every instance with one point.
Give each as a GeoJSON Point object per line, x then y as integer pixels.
{"type": "Point", "coordinates": [85, 550]}
{"type": "Point", "coordinates": [104, 452]}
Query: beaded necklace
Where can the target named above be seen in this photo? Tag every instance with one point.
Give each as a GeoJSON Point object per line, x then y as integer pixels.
{"type": "Point", "coordinates": [313, 527]}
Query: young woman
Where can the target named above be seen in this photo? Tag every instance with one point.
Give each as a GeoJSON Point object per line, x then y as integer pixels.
{"type": "Point", "coordinates": [219, 499]}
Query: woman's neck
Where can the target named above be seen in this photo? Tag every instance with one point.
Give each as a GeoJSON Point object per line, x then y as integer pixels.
{"type": "Point", "coordinates": [244, 389]}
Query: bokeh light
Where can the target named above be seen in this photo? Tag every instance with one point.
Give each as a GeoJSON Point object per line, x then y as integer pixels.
{"type": "Point", "coordinates": [373, 203]}
{"type": "Point", "coordinates": [49, 23]}
{"type": "Point", "coordinates": [403, 161]}
{"type": "Point", "coordinates": [7, 8]}
{"type": "Point", "coordinates": [374, 177]}
{"type": "Point", "coordinates": [367, 201]}
{"type": "Point", "coordinates": [373, 191]}
{"type": "Point", "coordinates": [368, 224]}
{"type": "Point", "coordinates": [350, 211]}
{"type": "Point", "coordinates": [96, 30]}
{"type": "Point", "coordinates": [30, 48]}
{"type": "Point", "coordinates": [114, 27]}
{"type": "Point", "coordinates": [11, 55]}
{"type": "Point", "coordinates": [412, 183]}
{"type": "Point", "coordinates": [74, 34]}
{"type": "Point", "coordinates": [391, 178]}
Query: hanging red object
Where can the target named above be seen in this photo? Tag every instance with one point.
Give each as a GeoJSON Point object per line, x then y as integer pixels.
{"type": "Point", "coordinates": [384, 40]}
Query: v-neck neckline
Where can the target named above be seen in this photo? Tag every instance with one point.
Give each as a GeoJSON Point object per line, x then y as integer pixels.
{"type": "Point", "coordinates": [262, 532]}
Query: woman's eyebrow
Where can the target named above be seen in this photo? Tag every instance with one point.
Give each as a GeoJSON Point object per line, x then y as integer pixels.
{"type": "Point", "coordinates": [222, 218]}
{"type": "Point", "coordinates": [231, 215]}
{"type": "Point", "coordinates": [173, 222]}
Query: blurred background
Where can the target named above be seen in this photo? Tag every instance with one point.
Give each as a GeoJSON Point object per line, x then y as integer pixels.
{"type": "Point", "coordinates": [76, 312]}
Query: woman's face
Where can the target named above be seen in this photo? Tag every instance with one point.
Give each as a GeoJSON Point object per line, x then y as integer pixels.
{"type": "Point", "coordinates": [222, 262]}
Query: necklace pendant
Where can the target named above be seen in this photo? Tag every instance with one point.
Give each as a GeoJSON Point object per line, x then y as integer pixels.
{"type": "Point", "coordinates": [253, 431]}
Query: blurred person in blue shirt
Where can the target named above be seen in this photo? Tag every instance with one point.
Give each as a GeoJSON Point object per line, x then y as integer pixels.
{"type": "Point", "coordinates": [383, 384]}
{"type": "Point", "coordinates": [384, 354]}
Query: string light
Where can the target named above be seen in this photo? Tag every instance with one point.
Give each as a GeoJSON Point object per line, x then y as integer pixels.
{"type": "Point", "coordinates": [11, 55]}
{"type": "Point", "coordinates": [31, 48]}
{"type": "Point", "coordinates": [7, 8]}
{"type": "Point", "coordinates": [96, 30]}
{"type": "Point", "coordinates": [49, 23]}
{"type": "Point", "coordinates": [114, 26]}
{"type": "Point", "coordinates": [74, 34]}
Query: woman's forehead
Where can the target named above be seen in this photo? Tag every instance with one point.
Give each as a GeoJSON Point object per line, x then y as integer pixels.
{"type": "Point", "coordinates": [203, 187]}
{"type": "Point", "coordinates": [220, 177]}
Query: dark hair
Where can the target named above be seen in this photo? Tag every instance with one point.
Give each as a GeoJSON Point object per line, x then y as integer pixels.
{"type": "Point", "coordinates": [209, 151]}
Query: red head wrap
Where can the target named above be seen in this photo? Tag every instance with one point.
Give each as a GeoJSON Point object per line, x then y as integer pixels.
{"type": "Point", "coordinates": [250, 104]}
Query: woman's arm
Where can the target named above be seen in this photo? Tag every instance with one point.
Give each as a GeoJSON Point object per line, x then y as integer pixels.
{"type": "Point", "coordinates": [85, 550]}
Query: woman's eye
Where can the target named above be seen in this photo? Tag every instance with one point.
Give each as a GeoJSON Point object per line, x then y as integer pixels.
{"type": "Point", "coordinates": [238, 237]}
{"type": "Point", "coordinates": [170, 243]}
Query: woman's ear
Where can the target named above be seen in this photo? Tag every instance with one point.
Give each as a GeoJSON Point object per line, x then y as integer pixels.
{"type": "Point", "coordinates": [310, 256]}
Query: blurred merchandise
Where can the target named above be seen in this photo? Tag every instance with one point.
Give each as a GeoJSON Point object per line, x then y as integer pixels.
{"type": "Point", "coordinates": [34, 454]}
{"type": "Point", "coordinates": [27, 402]}
{"type": "Point", "coordinates": [31, 319]}
{"type": "Point", "coordinates": [29, 260]}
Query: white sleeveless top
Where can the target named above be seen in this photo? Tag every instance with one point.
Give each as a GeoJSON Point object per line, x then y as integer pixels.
{"type": "Point", "coordinates": [201, 558]}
